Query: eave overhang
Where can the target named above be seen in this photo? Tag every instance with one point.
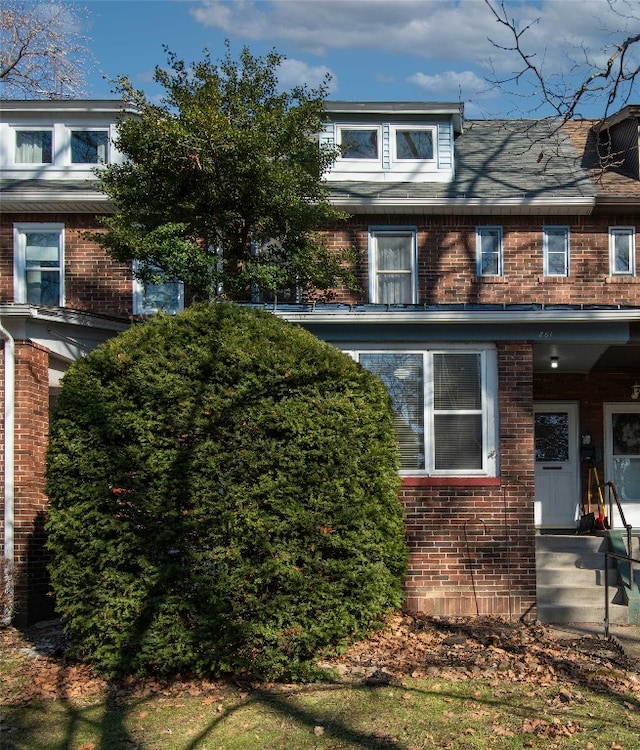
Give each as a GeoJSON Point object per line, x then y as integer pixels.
{"type": "Point", "coordinates": [523, 206]}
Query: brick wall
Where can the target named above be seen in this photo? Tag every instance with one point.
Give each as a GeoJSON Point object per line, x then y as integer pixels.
{"type": "Point", "coordinates": [31, 428]}
{"type": "Point", "coordinates": [94, 282]}
{"type": "Point", "coordinates": [447, 261]}
{"type": "Point", "coordinates": [471, 541]}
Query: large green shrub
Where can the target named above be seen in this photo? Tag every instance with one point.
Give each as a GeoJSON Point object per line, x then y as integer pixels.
{"type": "Point", "coordinates": [224, 498]}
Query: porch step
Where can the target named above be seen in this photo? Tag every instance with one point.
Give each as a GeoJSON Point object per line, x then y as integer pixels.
{"type": "Point", "coordinates": [570, 585]}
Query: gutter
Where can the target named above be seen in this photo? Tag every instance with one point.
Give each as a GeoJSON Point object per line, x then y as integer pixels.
{"type": "Point", "coordinates": [9, 471]}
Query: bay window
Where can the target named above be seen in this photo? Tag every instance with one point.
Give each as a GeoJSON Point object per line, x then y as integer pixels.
{"type": "Point", "coordinates": [392, 264]}
{"type": "Point", "coordinates": [444, 408]}
{"type": "Point", "coordinates": [38, 264]}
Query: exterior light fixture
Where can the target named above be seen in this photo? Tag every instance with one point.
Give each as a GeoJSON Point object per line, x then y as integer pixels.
{"type": "Point", "coordinates": [554, 365]}
{"type": "Point", "coordinates": [635, 391]}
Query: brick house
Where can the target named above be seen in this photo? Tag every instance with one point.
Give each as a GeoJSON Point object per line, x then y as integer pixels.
{"type": "Point", "coordinates": [500, 305]}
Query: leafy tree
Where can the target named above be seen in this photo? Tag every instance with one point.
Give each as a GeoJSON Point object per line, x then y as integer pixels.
{"type": "Point", "coordinates": [43, 53]}
{"type": "Point", "coordinates": [224, 498]}
{"type": "Point", "coordinates": [222, 187]}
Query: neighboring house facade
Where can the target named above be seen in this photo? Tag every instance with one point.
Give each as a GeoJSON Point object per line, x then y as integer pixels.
{"type": "Point", "coordinates": [500, 305]}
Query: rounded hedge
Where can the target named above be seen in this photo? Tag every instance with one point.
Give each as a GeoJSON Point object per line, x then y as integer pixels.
{"type": "Point", "coordinates": [223, 498]}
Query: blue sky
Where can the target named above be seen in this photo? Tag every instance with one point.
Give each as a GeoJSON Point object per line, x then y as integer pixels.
{"type": "Point", "coordinates": [376, 50]}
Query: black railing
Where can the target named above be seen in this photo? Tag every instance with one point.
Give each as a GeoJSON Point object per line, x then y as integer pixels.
{"type": "Point", "coordinates": [616, 556]}
{"type": "Point", "coordinates": [613, 491]}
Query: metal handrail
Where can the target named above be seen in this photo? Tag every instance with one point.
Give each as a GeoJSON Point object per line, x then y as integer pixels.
{"type": "Point", "coordinates": [613, 491]}
{"type": "Point", "coordinates": [617, 556]}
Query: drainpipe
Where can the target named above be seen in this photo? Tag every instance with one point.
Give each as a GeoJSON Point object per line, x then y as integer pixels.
{"type": "Point", "coordinates": [9, 470]}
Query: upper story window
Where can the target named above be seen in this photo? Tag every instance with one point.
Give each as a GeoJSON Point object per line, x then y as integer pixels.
{"type": "Point", "coordinates": [414, 144]}
{"type": "Point", "coordinates": [89, 146]}
{"type": "Point", "coordinates": [359, 142]}
{"type": "Point", "coordinates": [555, 247]}
{"type": "Point", "coordinates": [162, 296]}
{"type": "Point", "coordinates": [622, 250]}
{"type": "Point", "coordinates": [489, 251]}
{"type": "Point", "coordinates": [444, 408]}
{"type": "Point", "coordinates": [38, 258]}
{"type": "Point", "coordinates": [34, 147]}
{"type": "Point", "coordinates": [392, 264]}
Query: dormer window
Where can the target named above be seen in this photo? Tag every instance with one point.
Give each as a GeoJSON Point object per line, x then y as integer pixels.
{"type": "Point", "coordinates": [362, 143]}
{"type": "Point", "coordinates": [414, 144]}
{"type": "Point", "coordinates": [34, 147]}
{"type": "Point", "coordinates": [89, 146]}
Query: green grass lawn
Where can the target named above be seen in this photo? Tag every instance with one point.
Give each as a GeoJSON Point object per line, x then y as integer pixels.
{"type": "Point", "coordinates": [414, 714]}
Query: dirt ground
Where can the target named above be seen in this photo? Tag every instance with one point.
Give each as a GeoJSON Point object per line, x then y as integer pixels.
{"type": "Point", "coordinates": [35, 665]}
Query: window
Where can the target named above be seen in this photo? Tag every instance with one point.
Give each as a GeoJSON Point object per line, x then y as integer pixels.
{"type": "Point", "coordinates": [393, 266]}
{"type": "Point", "coordinates": [622, 250]}
{"type": "Point", "coordinates": [489, 251]}
{"type": "Point", "coordinates": [360, 143]}
{"type": "Point", "coordinates": [414, 144]}
{"type": "Point", "coordinates": [38, 264]}
{"type": "Point", "coordinates": [555, 243]}
{"type": "Point", "coordinates": [89, 146]}
{"type": "Point", "coordinates": [34, 147]}
{"type": "Point", "coordinates": [443, 403]}
{"type": "Point", "coordinates": [150, 297]}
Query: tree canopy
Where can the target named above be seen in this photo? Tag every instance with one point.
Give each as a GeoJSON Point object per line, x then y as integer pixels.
{"type": "Point", "coordinates": [43, 52]}
{"type": "Point", "coordinates": [222, 186]}
{"type": "Point", "coordinates": [223, 497]}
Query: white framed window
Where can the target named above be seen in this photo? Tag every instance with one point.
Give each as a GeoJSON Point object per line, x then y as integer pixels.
{"type": "Point", "coordinates": [414, 144]}
{"type": "Point", "coordinates": [151, 297]}
{"type": "Point", "coordinates": [555, 248]}
{"type": "Point", "coordinates": [622, 250]}
{"type": "Point", "coordinates": [444, 404]}
{"type": "Point", "coordinates": [33, 146]}
{"type": "Point", "coordinates": [89, 146]}
{"type": "Point", "coordinates": [489, 251]}
{"type": "Point", "coordinates": [359, 142]}
{"type": "Point", "coordinates": [392, 264]}
{"type": "Point", "coordinates": [38, 263]}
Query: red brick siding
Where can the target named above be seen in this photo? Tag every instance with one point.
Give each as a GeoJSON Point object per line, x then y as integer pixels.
{"type": "Point", "coordinates": [447, 261]}
{"type": "Point", "coordinates": [31, 430]}
{"type": "Point", "coordinates": [472, 543]}
{"type": "Point", "coordinates": [94, 282]}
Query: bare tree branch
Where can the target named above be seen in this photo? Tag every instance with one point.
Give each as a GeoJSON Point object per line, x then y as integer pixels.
{"type": "Point", "coordinates": [43, 52]}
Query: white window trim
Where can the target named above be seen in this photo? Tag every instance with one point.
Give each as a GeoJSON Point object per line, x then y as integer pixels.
{"type": "Point", "coordinates": [358, 164]}
{"type": "Point", "coordinates": [89, 129]}
{"type": "Point", "coordinates": [545, 249]}
{"type": "Point", "coordinates": [479, 232]}
{"type": "Point", "coordinates": [20, 261]}
{"type": "Point", "coordinates": [631, 233]}
{"type": "Point", "coordinates": [33, 129]}
{"type": "Point", "coordinates": [374, 232]}
{"type": "Point", "coordinates": [138, 297]}
{"type": "Point", "coordinates": [490, 432]}
{"type": "Point", "coordinates": [411, 126]}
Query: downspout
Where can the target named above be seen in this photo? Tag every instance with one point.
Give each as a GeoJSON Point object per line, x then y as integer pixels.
{"type": "Point", "coordinates": [9, 471]}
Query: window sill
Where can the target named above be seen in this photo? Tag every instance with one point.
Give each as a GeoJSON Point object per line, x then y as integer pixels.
{"type": "Point", "coordinates": [622, 279]}
{"type": "Point", "coordinates": [555, 280]}
{"type": "Point", "coordinates": [451, 481]}
{"type": "Point", "coordinates": [490, 280]}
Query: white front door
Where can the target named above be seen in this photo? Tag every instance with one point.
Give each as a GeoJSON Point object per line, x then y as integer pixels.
{"type": "Point", "coordinates": [622, 459]}
{"type": "Point", "coordinates": [557, 465]}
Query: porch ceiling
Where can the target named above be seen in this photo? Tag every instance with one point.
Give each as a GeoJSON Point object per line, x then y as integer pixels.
{"type": "Point", "coordinates": [587, 358]}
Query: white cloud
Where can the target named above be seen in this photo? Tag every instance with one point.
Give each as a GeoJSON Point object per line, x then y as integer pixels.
{"type": "Point", "coordinates": [297, 72]}
{"type": "Point", "coordinates": [464, 85]}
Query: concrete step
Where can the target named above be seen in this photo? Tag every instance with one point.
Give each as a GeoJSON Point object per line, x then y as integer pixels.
{"type": "Point", "coordinates": [570, 578]}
